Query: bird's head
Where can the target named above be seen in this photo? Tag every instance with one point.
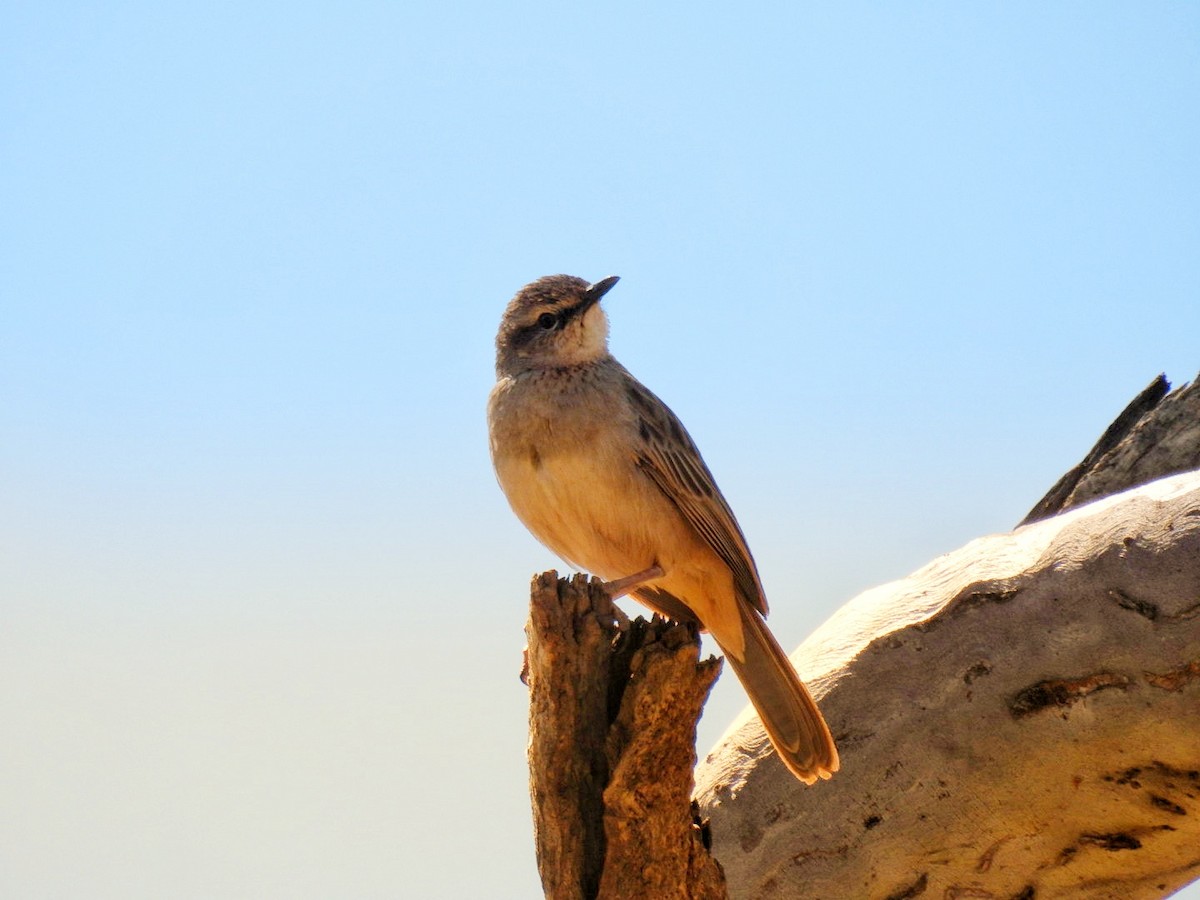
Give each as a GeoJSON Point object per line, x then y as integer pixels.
{"type": "Point", "coordinates": [553, 322]}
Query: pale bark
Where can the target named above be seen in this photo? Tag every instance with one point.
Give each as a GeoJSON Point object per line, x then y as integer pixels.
{"type": "Point", "coordinates": [1020, 718]}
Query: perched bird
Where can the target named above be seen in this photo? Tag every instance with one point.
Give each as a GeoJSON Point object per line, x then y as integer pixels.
{"type": "Point", "coordinates": [604, 474]}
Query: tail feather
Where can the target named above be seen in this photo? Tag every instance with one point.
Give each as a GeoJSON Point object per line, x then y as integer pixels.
{"type": "Point", "coordinates": [789, 713]}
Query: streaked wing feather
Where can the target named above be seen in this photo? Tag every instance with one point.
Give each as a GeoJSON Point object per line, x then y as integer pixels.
{"type": "Point", "coordinates": [669, 457]}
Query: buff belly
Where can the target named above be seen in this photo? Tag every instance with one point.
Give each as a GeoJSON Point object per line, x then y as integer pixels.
{"type": "Point", "coordinates": [605, 517]}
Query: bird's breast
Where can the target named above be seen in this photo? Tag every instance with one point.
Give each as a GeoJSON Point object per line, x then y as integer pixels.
{"type": "Point", "coordinates": [594, 513]}
{"type": "Point", "coordinates": [567, 465]}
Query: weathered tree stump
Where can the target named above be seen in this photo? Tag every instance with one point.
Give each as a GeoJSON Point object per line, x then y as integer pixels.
{"type": "Point", "coordinates": [612, 734]}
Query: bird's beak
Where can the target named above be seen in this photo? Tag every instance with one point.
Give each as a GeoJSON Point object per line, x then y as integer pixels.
{"type": "Point", "coordinates": [599, 289]}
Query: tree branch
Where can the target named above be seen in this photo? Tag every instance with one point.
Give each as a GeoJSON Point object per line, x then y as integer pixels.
{"type": "Point", "coordinates": [1156, 435]}
{"type": "Point", "coordinates": [1016, 719]}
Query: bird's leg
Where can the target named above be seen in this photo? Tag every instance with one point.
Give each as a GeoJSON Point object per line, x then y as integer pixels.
{"type": "Point", "coordinates": [622, 586]}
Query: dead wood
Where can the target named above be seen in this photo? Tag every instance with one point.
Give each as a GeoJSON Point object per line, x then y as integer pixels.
{"type": "Point", "coordinates": [612, 732]}
{"type": "Point", "coordinates": [1020, 718]}
{"type": "Point", "coordinates": [1156, 435]}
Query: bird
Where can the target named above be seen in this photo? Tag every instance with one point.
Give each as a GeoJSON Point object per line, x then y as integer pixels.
{"type": "Point", "coordinates": [604, 474]}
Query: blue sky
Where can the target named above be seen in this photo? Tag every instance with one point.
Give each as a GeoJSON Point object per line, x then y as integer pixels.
{"type": "Point", "coordinates": [895, 265]}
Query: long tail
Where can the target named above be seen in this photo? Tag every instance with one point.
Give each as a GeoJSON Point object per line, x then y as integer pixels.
{"type": "Point", "coordinates": [793, 722]}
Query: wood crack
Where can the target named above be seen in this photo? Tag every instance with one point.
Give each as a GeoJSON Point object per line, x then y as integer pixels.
{"type": "Point", "coordinates": [1061, 693]}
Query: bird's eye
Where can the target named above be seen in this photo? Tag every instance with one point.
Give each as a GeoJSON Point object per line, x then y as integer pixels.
{"type": "Point", "coordinates": [548, 321]}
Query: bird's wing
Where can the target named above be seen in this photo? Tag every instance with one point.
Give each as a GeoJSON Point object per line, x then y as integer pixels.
{"type": "Point", "coordinates": [668, 456]}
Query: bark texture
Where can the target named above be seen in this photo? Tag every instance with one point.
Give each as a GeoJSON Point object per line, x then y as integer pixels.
{"type": "Point", "coordinates": [1157, 434]}
{"type": "Point", "coordinates": [612, 732]}
{"type": "Point", "coordinates": [1018, 719]}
